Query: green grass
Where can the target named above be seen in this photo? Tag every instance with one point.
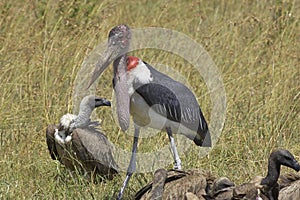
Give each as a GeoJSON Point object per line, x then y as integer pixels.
{"type": "Point", "coordinates": [255, 45]}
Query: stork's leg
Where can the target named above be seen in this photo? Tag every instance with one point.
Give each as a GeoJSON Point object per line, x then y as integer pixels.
{"type": "Point", "coordinates": [174, 150]}
{"type": "Point", "coordinates": [132, 164]}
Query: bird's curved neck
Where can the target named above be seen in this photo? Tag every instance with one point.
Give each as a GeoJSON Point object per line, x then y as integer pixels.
{"type": "Point", "coordinates": [273, 174]}
{"type": "Point", "coordinates": [83, 118]}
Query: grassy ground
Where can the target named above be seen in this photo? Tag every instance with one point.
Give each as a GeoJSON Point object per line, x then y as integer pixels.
{"type": "Point", "coordinates": [255, 45]}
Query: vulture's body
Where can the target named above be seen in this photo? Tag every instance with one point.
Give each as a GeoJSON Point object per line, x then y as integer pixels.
{"type": "Point", "coordinates": [88, 151]}
{"type": "Point", "coordinates": [177, 184]}
{"type": "Point", "coordinates": [78, 145]}
{"type": "Point", "coordinates": [289, 187]}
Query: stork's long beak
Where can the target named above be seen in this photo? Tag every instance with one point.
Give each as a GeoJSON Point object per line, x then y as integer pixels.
{"type": "Point", "coordinates": [110, 55]}
{"type": "Point", "coordinates": [118, 45]}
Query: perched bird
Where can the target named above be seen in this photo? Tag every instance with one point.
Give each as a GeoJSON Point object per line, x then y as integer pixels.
{"type": "Point", "coordinates": [177, 184]}
{"type": "Point", "coordinates": [152, 98]}
{"type": "Point", "coordinates": [267, 188]}
{"type": "Point", "coordinates": [289, 186]}
{"type": "Point", "coordinates": [78, 145]}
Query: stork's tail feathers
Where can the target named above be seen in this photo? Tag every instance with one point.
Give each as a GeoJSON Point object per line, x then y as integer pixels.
{"type": "Point", "coordinates": [203, 140]}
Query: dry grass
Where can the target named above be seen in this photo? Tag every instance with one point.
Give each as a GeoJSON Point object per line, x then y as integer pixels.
{"type": "Point", "coordinates": [255, 45]}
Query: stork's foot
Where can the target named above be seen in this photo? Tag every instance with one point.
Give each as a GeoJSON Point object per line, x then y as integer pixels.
{"type": "Point", "coordinates": [177, 164]}
{"type": "Point", "coordinates": [128, 176]}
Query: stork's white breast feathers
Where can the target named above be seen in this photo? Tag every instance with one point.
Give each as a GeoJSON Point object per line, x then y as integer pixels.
{"type": "Point", "coordinates": [140, 74]}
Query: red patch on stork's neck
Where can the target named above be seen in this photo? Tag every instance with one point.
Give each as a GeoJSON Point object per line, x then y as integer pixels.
{"type": "Point", "coordinates": [132, 62]}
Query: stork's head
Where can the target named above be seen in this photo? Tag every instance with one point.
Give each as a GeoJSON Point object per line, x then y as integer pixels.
{"type": "Point", "coordinates": [118, 45]}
